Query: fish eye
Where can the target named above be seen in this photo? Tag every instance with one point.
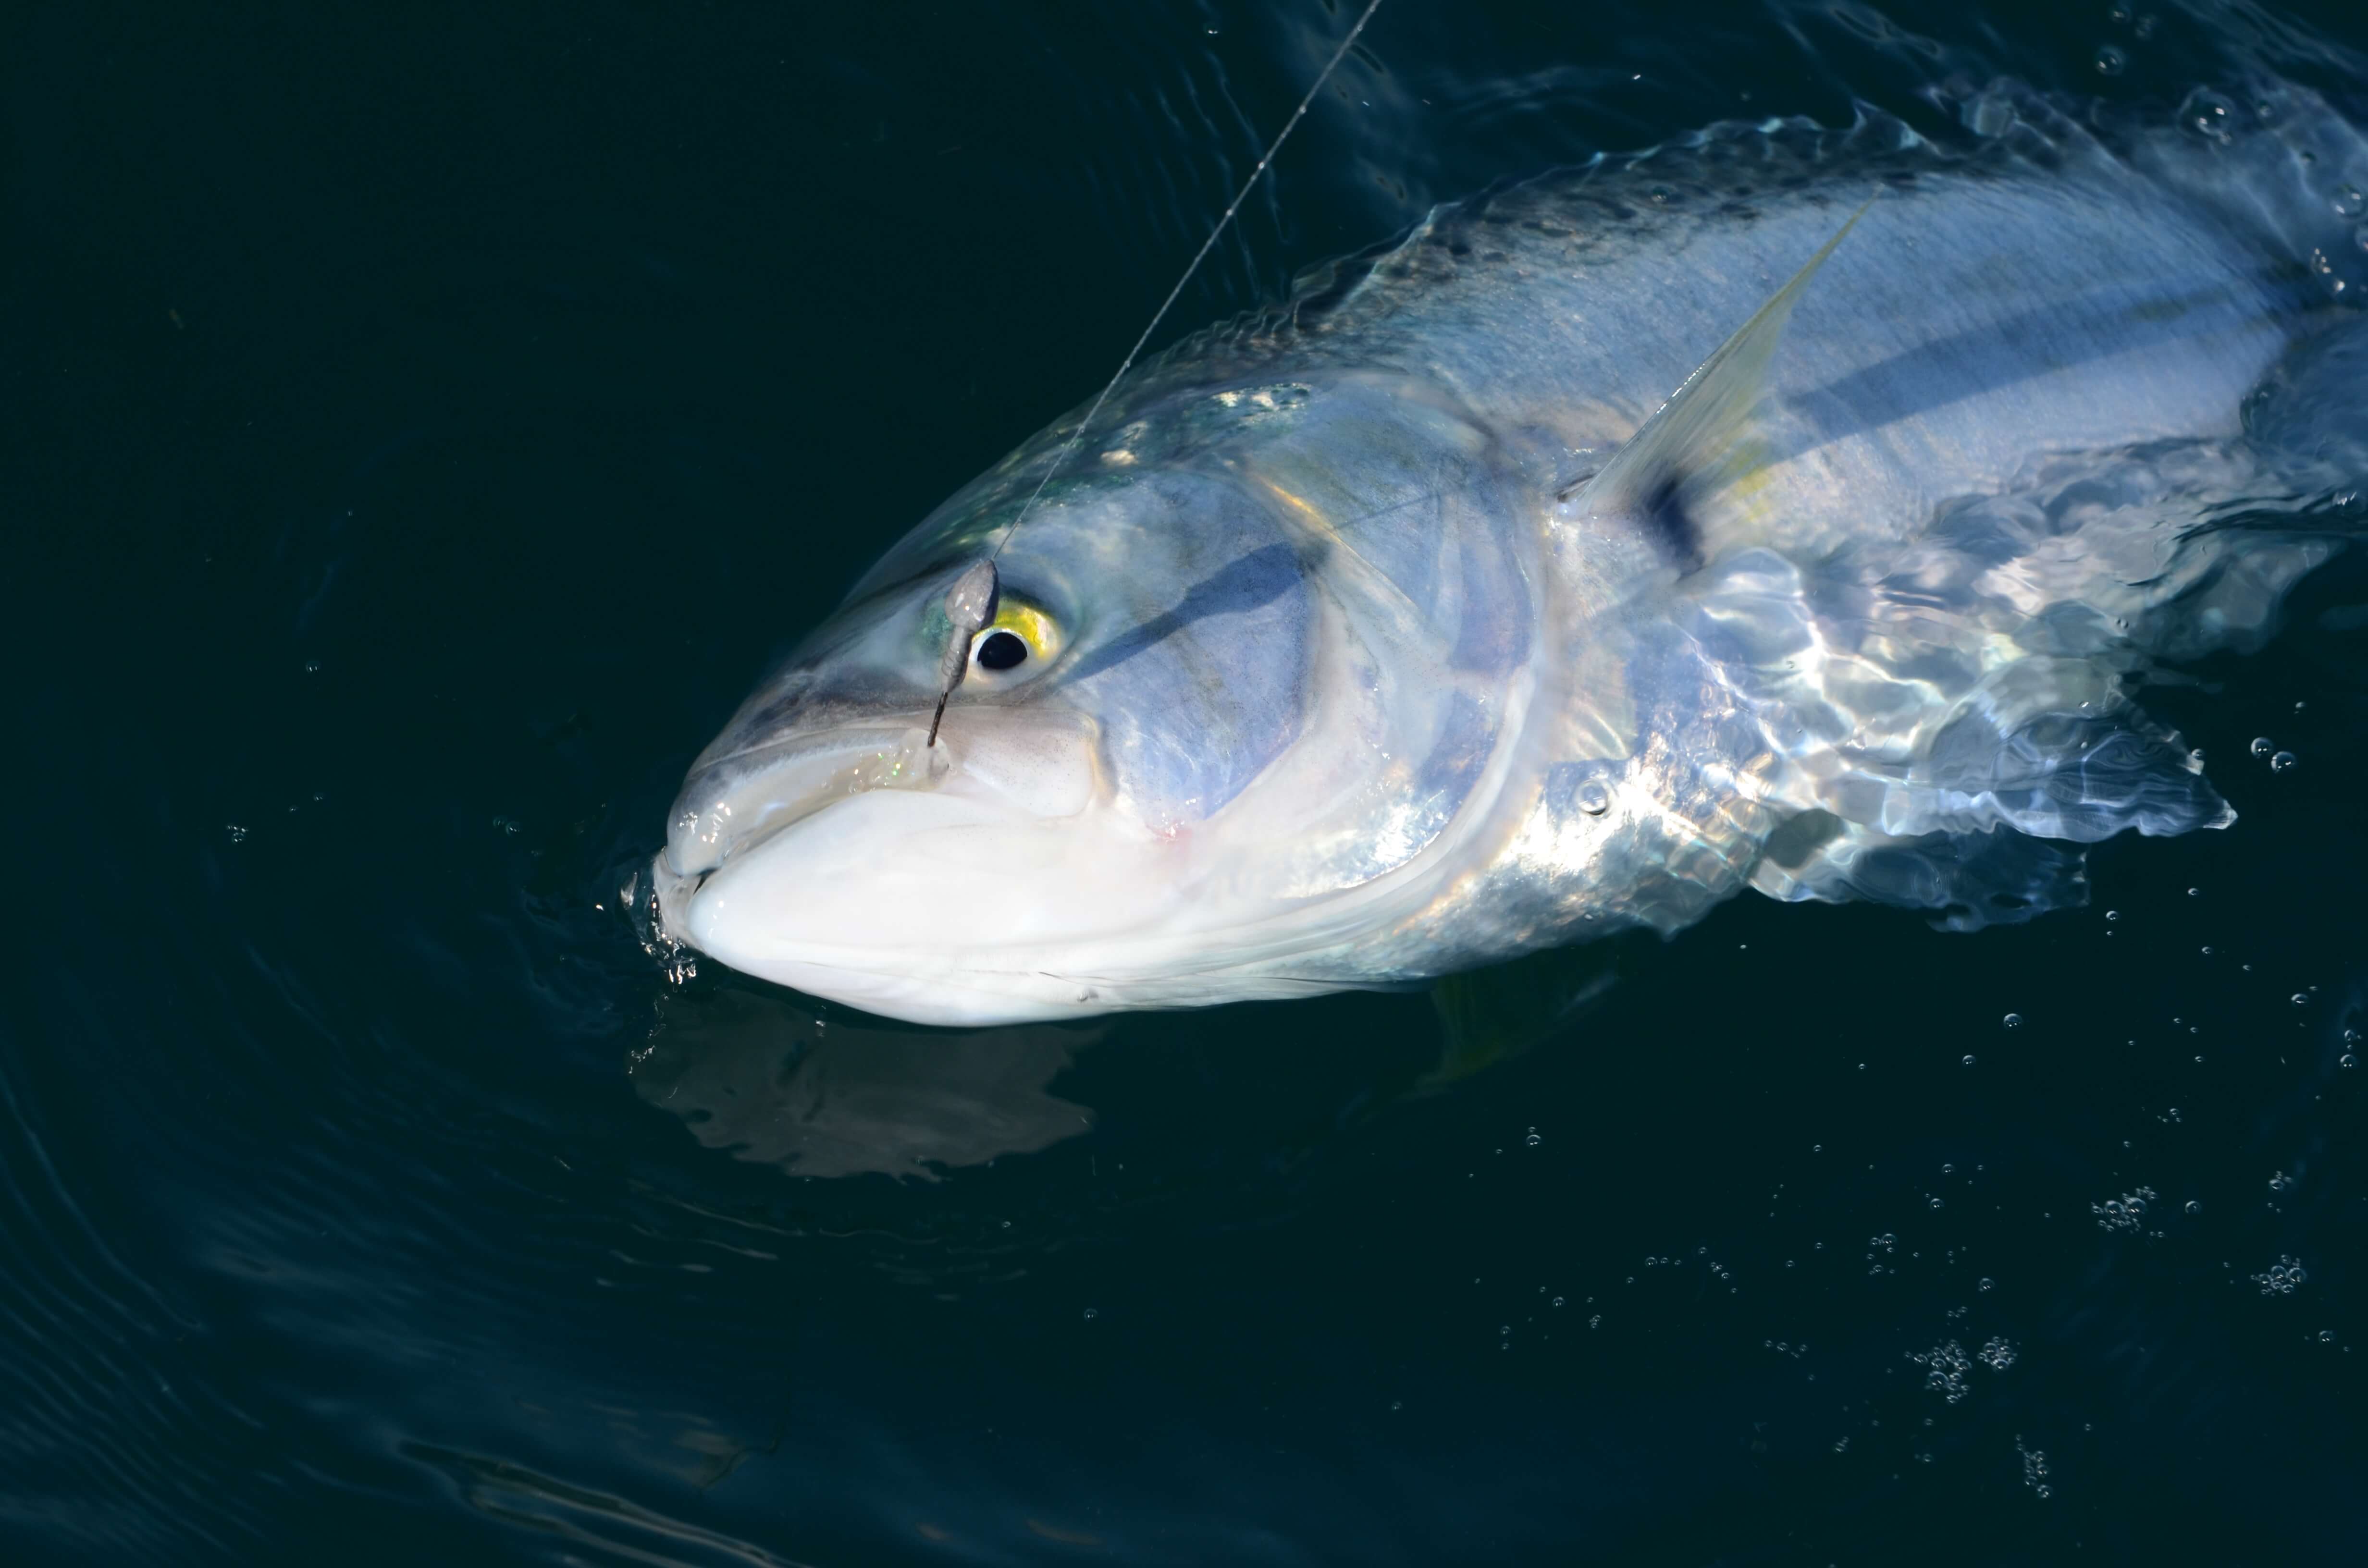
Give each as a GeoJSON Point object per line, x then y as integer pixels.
{"type": "Point", "coordinates": [1020, 634]}
{"type": "Point", "coordinates": [1000, 650]}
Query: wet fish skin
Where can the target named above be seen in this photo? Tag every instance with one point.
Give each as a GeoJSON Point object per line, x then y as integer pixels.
{"type": "Point", "coordinates": [1362, 683]}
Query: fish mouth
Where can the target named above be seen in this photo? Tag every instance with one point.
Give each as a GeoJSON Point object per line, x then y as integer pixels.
{"type": "Point", "coordinates": [877, 903]}
{"type": "Point", "coordinates": [734, 803]}
{"type": "Point", "coordinates": [953, 884]}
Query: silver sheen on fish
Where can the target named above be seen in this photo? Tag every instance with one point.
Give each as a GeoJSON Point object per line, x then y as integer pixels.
{"type": "Point", "coordinates": [1416, 622]}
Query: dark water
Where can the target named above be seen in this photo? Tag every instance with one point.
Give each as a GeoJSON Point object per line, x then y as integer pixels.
{"type": "Point", "coordinates": [422, 424]}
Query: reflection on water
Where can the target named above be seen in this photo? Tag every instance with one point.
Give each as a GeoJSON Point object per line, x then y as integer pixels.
{"type": "Point", "coordinates": [760, 1074]}
{"type": "Point", "coordinates": [774, 1078]}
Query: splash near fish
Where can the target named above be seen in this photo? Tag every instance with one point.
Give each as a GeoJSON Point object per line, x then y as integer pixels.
{"type": "Point", "coordinates": [1786, 507]}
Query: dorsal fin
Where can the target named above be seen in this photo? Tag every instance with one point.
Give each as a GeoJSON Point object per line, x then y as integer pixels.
{"type": "Point", "coordinates": [1689, 435]}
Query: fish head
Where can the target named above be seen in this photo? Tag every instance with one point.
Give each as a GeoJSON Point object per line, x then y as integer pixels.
{"type": "Point", "coordinates": [1222, 694]}
{"type": "Point", "coordinates": [1145, 664]}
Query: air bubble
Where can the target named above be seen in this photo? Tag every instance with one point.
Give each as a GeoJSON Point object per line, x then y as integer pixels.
{"type": "Point", "coordinates": [1091, 1314]}
{"type": "Point", "coordinates": [1533, 1140]}
{"type": "Point", "coordinates": [2262, 745]}
{"type": "Point", "coordinates": [2283, 1278]}
{"type": "Point", "coordinates": [2193, 1207]}
{"type": "Point", "coordinates": [2112, 915]}
{"type": "Point", "coordinates": [2126, 1212]}
{"type": "Point", "coordinates": [1945, 1366]}
{"type": "Point", "coordinates": [237, 834]}
{"type": "Point", "coordinates": [2111, 61]}
{"type": "Point", "coordinates": [1969, 1062]}
{"type": "Point", "coordinates": [2014, 1020]}
{"type": "Point", "coordinates": [1592, 797]}
{"type": "Point", "coordinates": [2207, 114]}
{"type": "Point", "coordinates": [2348, 202]}
{"type": "Point", "coordinates": [2282, 761]}
{"type": "Point", "coordinates": [1987, 1283]}
{"type": "Point", "coordinates": [2034, 1468]}
{"type": "Point", "coordinates": [2301, 999]}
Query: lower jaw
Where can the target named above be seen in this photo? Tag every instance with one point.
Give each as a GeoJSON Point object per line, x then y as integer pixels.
{"type": "Point", "coordinates": [984, 999]}
{"type": "Point", "coordinates": [950, 998]}
{"type": "Point", "coordinates": [944, 1001]}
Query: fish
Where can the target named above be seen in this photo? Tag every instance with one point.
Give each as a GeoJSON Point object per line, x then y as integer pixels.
{"type": "Point", "coordinates": [1787, 508]}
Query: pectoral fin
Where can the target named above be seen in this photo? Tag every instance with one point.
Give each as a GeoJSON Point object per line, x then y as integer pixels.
{"type": "Point", "coordinates": [1492, 1015]}
{"type": "Point", "coordinates": [1694, 435]}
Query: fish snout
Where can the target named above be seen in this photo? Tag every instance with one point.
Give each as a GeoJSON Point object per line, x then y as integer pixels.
{"type": "Point", "coordinates": [731, 804]}
{"type": "Point", "coordinates": [1033, 764]}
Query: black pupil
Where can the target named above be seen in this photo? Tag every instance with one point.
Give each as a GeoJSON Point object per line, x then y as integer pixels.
{"type": "Point", "coordinates": [1000, 650]}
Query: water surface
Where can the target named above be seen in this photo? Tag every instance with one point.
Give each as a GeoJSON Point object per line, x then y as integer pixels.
{"type": "Point", "coordinates": [424, 427]}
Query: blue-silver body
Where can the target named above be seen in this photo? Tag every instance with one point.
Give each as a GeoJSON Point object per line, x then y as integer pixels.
{"type": "Point", "coordinates": [1347, 670]}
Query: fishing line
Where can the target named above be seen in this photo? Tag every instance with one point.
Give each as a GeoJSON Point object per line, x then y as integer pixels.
{"type": "Point", "coordinates": [967, 590]}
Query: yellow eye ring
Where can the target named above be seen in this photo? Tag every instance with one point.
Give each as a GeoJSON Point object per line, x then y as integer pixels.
{"type": "Point", "coordinates": [1037, 637]}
